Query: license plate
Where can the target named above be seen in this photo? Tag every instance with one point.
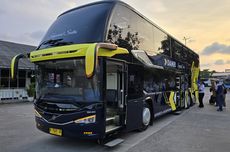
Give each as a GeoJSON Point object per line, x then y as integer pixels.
{"type": "Point", "coordinates": [55, 131]}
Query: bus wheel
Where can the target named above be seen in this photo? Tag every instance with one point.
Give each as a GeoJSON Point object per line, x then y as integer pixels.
{"type": "Point", "coordinates": [100, 141]}
{"type": "Point", "coordinates": [146, 117]}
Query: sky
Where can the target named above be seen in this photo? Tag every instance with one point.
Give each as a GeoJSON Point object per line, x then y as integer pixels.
{"type": "Point", "coordinates": [204, 23]}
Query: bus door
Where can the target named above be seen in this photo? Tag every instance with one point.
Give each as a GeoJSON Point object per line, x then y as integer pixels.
{"type": "Point", "coordinates": [115, 95]}
{"type": "Point", "coordinates": [180, 95]}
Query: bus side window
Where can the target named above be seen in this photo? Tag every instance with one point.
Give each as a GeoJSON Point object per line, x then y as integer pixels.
{"type": "Point", "coordinates": [135, 83]}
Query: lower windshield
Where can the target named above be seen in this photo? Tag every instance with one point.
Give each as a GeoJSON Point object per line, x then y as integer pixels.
{"type": "Point", "coordinates": [66, 80]}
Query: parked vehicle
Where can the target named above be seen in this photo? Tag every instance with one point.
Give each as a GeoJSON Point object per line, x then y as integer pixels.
{"type": "Point", "coordinates": [104, 68]}
{"type": "Point", "coordinates": [227, 83]}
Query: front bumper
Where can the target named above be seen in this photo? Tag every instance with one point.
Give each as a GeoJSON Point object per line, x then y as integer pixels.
{"type": "Point", "coordinates": [73, 130]}
{"type": "Point", "coordinates": [67, 126]}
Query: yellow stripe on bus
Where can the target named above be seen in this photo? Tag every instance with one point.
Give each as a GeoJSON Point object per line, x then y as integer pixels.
{"type": "Point", "coordinates": [171, 101]}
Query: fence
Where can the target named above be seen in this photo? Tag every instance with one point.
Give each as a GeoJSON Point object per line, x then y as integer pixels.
{"type": "Point", "coordinates": [13, 95]}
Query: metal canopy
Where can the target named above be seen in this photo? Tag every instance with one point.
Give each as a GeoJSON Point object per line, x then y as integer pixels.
{"type": "Point", "coordinates": [9, 49]}
{"type": "Point", "coordinates": [143, 58]}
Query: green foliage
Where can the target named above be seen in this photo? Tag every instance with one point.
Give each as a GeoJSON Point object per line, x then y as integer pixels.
{"type": "Point", "coordinates": [205, 74]}
{"type": "Point", "coordinates": [31, 90]}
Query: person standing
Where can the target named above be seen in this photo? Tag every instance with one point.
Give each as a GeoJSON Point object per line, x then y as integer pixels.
{"type": "Point", "coordinates": [201, 94]}
{"type": "Point", "coordinates": [225, 92]}
{"type": "Point", "coordinates": [212, 99]}
{"type": "Point", "coordinates": [220, 96]}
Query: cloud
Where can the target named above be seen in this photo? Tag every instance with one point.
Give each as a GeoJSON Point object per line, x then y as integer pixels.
{"type": "Point", "coordinates": [205, 65]}
{"type": "Point", "coordinates": [37, 35]}
{"type": "Point", "coordinates": [216, 48]}
{"type": "Point", "coordinates": [219, 62]}
{"type": "Point", "coordinates": [2, 12]}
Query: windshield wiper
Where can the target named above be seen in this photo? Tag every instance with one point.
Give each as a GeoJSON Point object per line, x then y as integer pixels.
{"type": "Point", "coordinates": [51, 41]}
{"type": "Point", "coordinates": [61, 43]}
{"type": "Point", "coordinates": [54, 42]}
{"type": "Point", "coordinates": [63, 101]}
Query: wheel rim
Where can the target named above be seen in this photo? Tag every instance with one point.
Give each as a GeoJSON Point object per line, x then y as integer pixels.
{"type": "Point", "coordinates": [146, 116]}
{"type": "Point", "coordinates": [189, 101]}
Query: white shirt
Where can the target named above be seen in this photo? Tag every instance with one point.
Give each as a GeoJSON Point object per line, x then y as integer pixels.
{"type": "Point", "coordinates": [201, 88]}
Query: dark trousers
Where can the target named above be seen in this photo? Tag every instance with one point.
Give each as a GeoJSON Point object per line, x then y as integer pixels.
{"type": "Point", "coordinates": [201, 96]}
{"type": "Point", "coordinates": [220, 101]}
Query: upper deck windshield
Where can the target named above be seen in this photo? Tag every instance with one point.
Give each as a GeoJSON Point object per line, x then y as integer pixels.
{"type": "Point", "coordinates": [65, 80]}
{"type": "Point", "coordinates": [83, 25]}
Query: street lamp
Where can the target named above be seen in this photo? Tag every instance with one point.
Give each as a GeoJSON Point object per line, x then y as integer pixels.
{"type": "Point", "coordinates": [185, 39]}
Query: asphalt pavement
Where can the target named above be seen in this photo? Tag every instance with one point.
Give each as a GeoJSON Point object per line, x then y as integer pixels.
{"type": "Point", "coordinates": [195, 130]}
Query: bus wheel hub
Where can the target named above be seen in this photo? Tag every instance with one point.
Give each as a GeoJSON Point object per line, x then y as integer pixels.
{"type": "Point", "coordinates": [146, 116]}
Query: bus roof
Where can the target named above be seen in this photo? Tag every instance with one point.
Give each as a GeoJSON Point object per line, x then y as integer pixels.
{"type": "Point", "coordinates": [114, 2]}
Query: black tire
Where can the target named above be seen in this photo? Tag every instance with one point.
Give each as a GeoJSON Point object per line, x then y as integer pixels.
{"type": "Point", "coordinates": [189, 104]}
{"type": "Point", "coordinates": [146, 117]}
{"type": "Point", "coordinates": [101, 141]}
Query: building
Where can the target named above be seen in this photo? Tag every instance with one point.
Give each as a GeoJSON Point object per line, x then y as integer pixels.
{"type": "Point", "coordinates": [227, 70]}
{"type": "Point", "coordinates": [221, 75]}
{"type": "Point", "coordinates": [14, 89]}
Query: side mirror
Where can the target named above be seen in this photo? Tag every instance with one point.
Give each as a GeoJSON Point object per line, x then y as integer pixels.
{"type": "Point", "coordinates": [91, 57]}
{"type": "Point", "coordinates": [14, 64]}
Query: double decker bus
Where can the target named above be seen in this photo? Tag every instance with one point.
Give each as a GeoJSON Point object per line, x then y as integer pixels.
{"type": "Point", "coordinates": [103, 68]}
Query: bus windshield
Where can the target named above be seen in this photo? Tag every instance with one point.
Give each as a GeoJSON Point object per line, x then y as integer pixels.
{"type": "Point", "coordinates": [81, 25]}
{"type": "Point", "coordinates": [65, 79]}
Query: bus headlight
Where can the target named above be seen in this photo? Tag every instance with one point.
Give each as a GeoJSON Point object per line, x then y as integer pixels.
{"type": "Point", "coordinates": [37, 114]}
{"type": "Point", "coordinates": [86, 120]}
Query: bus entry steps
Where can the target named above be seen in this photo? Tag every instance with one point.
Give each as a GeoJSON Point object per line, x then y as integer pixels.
{"type": "Point", "coordinates": [114, 142]}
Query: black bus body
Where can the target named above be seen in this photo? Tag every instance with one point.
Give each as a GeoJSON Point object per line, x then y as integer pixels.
{"type": "Point", "coordinates": [127, 91]}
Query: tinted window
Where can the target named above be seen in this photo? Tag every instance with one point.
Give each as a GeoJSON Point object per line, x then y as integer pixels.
{"type": "Point", "coordinates": [129, 30]}
{"type": "Point", "coordinates": [159, 80]}
{"type": "Point", "coordinates": [135, 82]}
{"type": "Point", "coordinates": [177, 50]}
{"type": "Point", "coordinates": [161, 42]}
{"type": "Point", "coordinates": [83, 25]}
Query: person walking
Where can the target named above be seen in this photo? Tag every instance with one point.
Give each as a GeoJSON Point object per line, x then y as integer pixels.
{"type": "Point", "coordinates": [212, 99]}
{"type": "Point", "coordinates": [220, 96]}
{"type": "Point", "coordinates": [201, 94]}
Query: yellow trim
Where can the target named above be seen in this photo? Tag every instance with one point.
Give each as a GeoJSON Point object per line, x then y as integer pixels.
{"type": "Point", "coordinates": [194, 78]}
{"type": "Point", "coordinates": [166, 98]}
{"type": "Point", "coordinates": [90, 59]}
{"type": "Point", "coordinates": [171, 100]}
{"type": "Point", "coordinates": [89, 51]}
{"type": "Point", "coordinates": [70, 51]}
{"type": "Point", "coordinates": [12, 66]}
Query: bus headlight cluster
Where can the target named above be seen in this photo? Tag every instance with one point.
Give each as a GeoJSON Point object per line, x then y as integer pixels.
{"type": "Point", "coordinates": [86, 120]}
{"type": "Point", "coordinates": [37, 114]}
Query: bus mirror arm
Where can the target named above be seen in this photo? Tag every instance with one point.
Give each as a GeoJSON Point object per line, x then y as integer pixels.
{"type": "Point", "coordinates": [92, 59]}
{"type": "Point", "coordinates": [14, 64]}
{"type": "Point", "coordinates": [106, 46]}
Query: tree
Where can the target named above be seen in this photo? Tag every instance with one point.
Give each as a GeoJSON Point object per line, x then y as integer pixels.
{"type": "Point", "coordinates": [205, 74]}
